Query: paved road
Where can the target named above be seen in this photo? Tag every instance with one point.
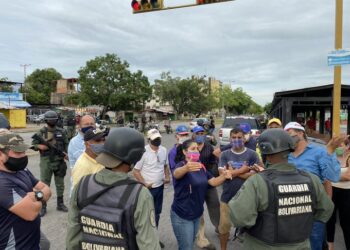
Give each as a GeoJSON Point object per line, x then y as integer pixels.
{"type": "Point", "coordinates": [54, 223]}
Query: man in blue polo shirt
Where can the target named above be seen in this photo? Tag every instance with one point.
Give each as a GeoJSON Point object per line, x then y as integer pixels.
{"type": "Point", "coordinates": [21, 196]}
{"type": "Point", "coordinates": [317, 160]}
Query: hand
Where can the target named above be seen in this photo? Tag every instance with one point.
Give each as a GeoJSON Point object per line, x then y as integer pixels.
{"type": "Point", "coordinates": [148, 185]}
{"type": "Point", "coordinates": [193, 166]}
{"type": "Point", "coordinates": [31, 195]}
{"type": "Point", "coordinates": [42, 147]}
{"type": "Point", "coordinates": [256, 168]}
{"type": "Point", "coordinates": [65, 156]}
{"type": "Point", "coordinates": [167, 180]}
{"type": "Point", "coordinates": [336, 142]}
{"type": "Point", "coordinates": [227, 174]}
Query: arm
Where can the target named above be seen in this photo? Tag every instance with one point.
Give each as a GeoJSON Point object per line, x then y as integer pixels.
{"type": "Point", "coordinates": [323, 205]}
{"type": "Point", "coordinates": [166, 174]}
{"type": "Point", "coordinates": [139, 178]}
{"type": "Point", "coordinates": [189, 167]}
{"type": "Point", "coordinates": [329, 166]}
{"type": "Point", "coordinates": [328, 188]}
{"type": "Point", "coordinates": [41, 186]}
{"type": "Point", "coordinates": [27, 208]}
{"type": "Point", "coordinates": [74, 233]}
{"type": "Point", "coordinates": [147, 235]}
{"type": "Point", "coordinates": [217, 152]}
{"type": "Point", "coordinates": [345, 176]}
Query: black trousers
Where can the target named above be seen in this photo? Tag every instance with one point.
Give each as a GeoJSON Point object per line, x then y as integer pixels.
{"type": "Point", "coordinates": [341, 200]}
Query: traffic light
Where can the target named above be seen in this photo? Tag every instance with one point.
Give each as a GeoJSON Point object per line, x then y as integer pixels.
{"type": "Point", "coordinates": [142, 6]}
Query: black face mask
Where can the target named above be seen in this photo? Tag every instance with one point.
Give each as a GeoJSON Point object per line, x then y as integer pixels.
{"type": "Point", "coordinates": [16, 164]}
{"type": "Point", "coordinates": [156, 142]}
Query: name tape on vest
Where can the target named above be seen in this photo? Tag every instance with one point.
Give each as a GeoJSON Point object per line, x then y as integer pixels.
{"type": "Point", "coordinates": [295, 200]}
{"type": "Point", "coordinates": [294, 210]}
{"type": "Point", "coordinates": [296, 188]}
{"type": "Point", "coordinates": [99, 228]}
{"type": "Point", "coordinates": [94, 246]}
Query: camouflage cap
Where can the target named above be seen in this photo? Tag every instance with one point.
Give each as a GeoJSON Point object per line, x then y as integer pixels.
{"type": "Point", "coordinates": [11, 141]}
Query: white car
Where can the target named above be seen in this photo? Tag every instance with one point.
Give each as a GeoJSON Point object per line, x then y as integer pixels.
{"type": "Point", "coordinates": [194, 123]}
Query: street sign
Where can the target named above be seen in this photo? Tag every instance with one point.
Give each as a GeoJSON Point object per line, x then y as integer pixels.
{"type": "Point", "coordinates": [339, 57]}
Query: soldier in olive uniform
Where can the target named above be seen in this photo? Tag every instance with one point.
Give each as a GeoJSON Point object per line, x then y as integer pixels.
{"type": "Point", "coordinates": [52, 142]}
{"type": "Point", "coordinates": [277, 207]}
{"type": "Point", "coordinates": [108, 209]}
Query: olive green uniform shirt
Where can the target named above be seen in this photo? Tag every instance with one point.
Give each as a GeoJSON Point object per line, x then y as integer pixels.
{"type": "Point", "coordinates": [253, 198]}
{"type": "Point", "coordinates": [147, 235]}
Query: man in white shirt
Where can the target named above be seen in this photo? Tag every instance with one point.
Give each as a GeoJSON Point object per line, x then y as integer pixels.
{"type": "Point", "coordinates": [152, 170]}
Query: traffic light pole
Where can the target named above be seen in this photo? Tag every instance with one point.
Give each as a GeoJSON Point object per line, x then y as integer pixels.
{"type": "Point", "coordinates": [337, 69]}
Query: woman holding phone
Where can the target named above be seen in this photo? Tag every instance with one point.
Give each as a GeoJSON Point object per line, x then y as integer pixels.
{"type": "Point", "coordinates": [191, 181]}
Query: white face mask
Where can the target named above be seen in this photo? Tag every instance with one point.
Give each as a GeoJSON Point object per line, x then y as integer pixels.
{"type": "Point", "coordinates": [247, 137]}
{"type": "Point", "coordinates": [183, 138]}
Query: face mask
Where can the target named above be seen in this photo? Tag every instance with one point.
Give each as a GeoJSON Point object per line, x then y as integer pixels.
{"type": "Point", "coordinates": [200, 139]}
{"type": "Point", "coordinates": [183, 138]}
{"type": "Point", "coordinates": [193, 156]}
{"type": "Point", "coordinates": [295, 139]}
{"type": "Point", "coordinates": [16, 164]}
{"type": "Point", "coordinates": [247, 137]}
{"type": "Point", "coordinates": [156, 142]}
{"type": "Point", "coordinates": [96, 148]}
{"type": "Point", "coordinates": [339, 151]}
{"type": "Point", "coordinates": [83, 130]}
{"type": "Point", "coordinates": [237, 143]}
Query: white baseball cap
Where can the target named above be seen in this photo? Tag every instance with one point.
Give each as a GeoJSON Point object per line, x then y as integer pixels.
{"type": "Point", "coordinates": [153, 134]}
{"type": "Point", "coordinates": [294, 125]}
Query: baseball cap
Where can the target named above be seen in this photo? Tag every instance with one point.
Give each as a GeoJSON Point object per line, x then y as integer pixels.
{"type": "Point", "coordinates": [246, 128]}
{"type": "Point", "coordinates": [182, 130]}
{"type": "Point", "coordinates": [94, 134]}
{"type": "Point", "coordinates": [11, 141]}
{"type": "Point", "coordinates": [274, 120]}
{"type": "Point", "coordinates": [108, 160]}
{"type": "Point", "coordinates": [294, 125]}
{"type": "Point", "coordinates": [197, 129]}
{"type": "Point", "coordinates": [153, 134]}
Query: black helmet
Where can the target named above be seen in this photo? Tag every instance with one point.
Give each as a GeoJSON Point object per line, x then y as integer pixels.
{"type": "Point", "coordinates": [50, 116]}
{"type": "Point", "coordinates": [125, 144]}
{"type": "Point", "coordinates": [200, 122]}
{"type": "Point", "coordinates": [273, 141]}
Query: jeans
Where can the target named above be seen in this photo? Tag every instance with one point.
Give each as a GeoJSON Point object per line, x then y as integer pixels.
{"type": "Point", "coordinates": [185, 231]}
{"type": "Point", "coordinates": [317, 235]}
{"type": "Point", "coordinates": [157, 194]}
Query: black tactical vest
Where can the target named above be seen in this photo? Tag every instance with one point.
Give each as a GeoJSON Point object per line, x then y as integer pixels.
{"type": "Point", "coordinates": [289, 215]}
{"type": "Point", "coordinates": [107, 214]}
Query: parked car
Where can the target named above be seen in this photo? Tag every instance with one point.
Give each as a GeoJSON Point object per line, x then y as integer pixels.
{"type": "Point", "coordinates": [231, 122]}
{"type": "Point", "coordinates": [194, 122]}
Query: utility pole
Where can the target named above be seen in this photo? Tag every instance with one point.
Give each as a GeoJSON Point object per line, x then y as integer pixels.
{"type": "Point", "coordinates": [25, 77]}
{"type": "Point", "coordinates": [337, 69]}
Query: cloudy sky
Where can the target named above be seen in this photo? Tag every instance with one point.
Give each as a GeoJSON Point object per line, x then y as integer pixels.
{"type": "Point", "coordinates": [262, 46]}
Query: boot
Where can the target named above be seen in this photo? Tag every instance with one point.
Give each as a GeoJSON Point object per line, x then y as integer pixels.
{"type": "Point", "coordinates": [43, 209]}
{"type": "Point", "coordinates": [60, 205]}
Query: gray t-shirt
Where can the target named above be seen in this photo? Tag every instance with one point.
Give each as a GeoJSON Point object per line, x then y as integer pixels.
{"type": "Point", "coordinates": [235, 160]}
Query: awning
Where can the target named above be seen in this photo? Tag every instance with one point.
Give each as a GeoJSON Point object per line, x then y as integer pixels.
{"type": "Point", "coordinates": [16, 104]}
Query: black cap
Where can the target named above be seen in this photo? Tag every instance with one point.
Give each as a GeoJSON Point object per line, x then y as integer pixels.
{"type": "Point", "coordinates": [94, 134]}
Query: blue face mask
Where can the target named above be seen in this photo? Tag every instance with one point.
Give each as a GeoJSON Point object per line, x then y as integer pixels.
{"type": "Point", "coordinates": [237, 143]}
{"type": "Point", "coordinates": [200, 139]}
{"type": "Point", "coordinates": [96, 148]}
{"type": "Point", "coordinates": [83, 130]}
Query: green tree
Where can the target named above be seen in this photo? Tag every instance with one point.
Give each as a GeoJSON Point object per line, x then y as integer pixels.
{"type": "Point", "coordinates": [5, 87]}
{"type": "Point", "coordinates": [238, 102]}
{"type": "Point", "coordinates": [188, 95]}
{"type": "Point", "coordinates": [107, 81]}
{"type": "Point", "coordinates": [40, 85]}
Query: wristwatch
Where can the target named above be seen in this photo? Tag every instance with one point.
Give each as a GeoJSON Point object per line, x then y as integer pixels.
{"type": "Point", "coordinates": [39, 195]}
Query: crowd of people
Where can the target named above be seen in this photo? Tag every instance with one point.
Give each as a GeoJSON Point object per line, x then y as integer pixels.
{"type": "Point", "coordinates": [278, 190]}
